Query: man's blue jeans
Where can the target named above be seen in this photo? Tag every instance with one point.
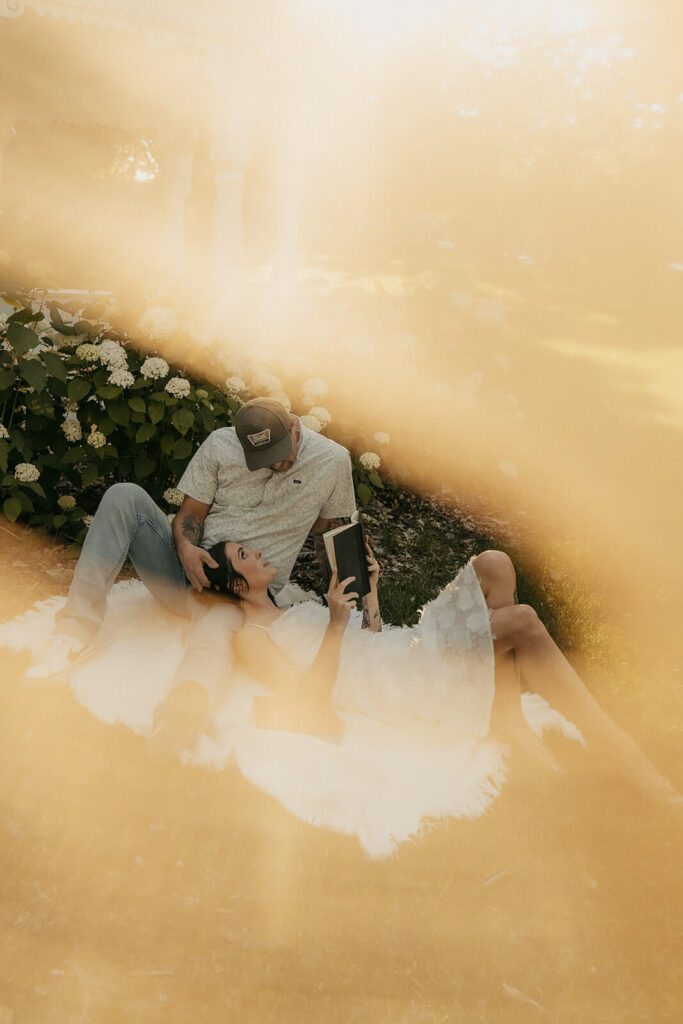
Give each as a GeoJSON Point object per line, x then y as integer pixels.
{"type": "Point", "coordinates": [127, 522]}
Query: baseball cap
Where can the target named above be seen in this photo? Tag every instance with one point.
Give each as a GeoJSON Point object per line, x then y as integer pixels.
{"type": "Point", "coordinates": [265, 432]}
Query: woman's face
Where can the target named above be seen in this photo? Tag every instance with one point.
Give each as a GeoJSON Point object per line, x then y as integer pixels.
{"type": "Point", "coordinates": [258, 573]}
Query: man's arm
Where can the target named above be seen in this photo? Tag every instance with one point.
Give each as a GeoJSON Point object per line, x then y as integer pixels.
{"type": "Point", "coordinates": [187, 528]}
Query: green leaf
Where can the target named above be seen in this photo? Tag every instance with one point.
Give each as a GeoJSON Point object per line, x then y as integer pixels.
{"type": "Point", "coordinates": [23, 316]}
{"type": "Point", "coordinates": [156, 411]}
{"type": "Point", "coordinates": [182, 419]}
{"type": "Point", "coordinates": [42, 405]}
{"type": "Point", "coordinates": [119, 413]}
{"type": "Point", "coordinates": [376, 480]}
{"type": "Point", "coordinates": [6, 377]}
{"type": "Point", "coordinates": [26, 503]}
{"type": "Point", "coordinates": [106, 426]}
{"type": "Point", "coordinates": [137, 404]}
{"type": "Point", "coordinates": [36, 488]}
{"type": "Point", "coordinates": [12, 509]}
{"type": "Point", "coordinates": [167, 443]}
{"type": "Point", "coordinates": [74, 454]}
{"type": "Point", "coordinates": [182, 449]}
{"type": "Point", "coordinates": [88, 475]}
{"type": "Point", "coordinates": [109, 391]}
{"type": "Point", "coordinates": [144, 432]}
{"type": "Point", "coordinates": [143, 466]}
{"type": "Point", "coordinates": [34, 373]}
{"type": "Point", "coordinates": [58, 520]}
{"type": "Point", "coordinates": [55, 365]}
{"type": "Point", "coordinates": [207, 418]}
{"type": "Point", "coordinates": [364, 493]}
{"type": "Point", "coordinates": [5, 449]}
{"type": "Point", "coordinates": [21, 338]}
{"type": "Point", "coordinates": [78, 389]}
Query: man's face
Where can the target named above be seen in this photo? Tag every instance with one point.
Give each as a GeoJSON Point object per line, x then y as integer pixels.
{"type": "Point", "coordinates": [284, 464]}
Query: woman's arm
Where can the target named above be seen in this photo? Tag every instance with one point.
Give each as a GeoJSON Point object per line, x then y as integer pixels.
{"type": "Point", "coordinates": [267, 663]}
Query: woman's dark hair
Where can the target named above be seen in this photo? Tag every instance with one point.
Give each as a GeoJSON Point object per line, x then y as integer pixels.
{"type": "Point", "coordinates": [225, 579]}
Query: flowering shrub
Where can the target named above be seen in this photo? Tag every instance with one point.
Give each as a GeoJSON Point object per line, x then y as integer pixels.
{"type": "Point", "coordinates": [81, 409]}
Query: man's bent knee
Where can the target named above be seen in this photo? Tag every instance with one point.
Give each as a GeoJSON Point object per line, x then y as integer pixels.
{"type": "Point", "coordinates": [124, 495]}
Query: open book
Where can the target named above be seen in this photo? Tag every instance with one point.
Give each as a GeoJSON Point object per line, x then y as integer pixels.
{"type": "Point", "coordinates": [345, 549]}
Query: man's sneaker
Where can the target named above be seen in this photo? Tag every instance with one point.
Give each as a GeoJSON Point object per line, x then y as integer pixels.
{"type": "Point", "coordinates": [59, 654]}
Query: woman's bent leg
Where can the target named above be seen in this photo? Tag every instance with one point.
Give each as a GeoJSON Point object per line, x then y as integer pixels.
{"type": "Point", "coordinates": [548, 673]}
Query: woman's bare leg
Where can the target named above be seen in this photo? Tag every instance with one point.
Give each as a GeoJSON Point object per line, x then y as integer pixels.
{"type": "Point", "coordinates": [498, 580]}
{"type": "Point", "coordinates": [548, 673]}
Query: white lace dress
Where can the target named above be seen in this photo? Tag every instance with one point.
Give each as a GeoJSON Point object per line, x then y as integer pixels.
{"type": "Point", "coordinates": [439, 672]}
{"type": "Point", "coordinates": [415, 703]}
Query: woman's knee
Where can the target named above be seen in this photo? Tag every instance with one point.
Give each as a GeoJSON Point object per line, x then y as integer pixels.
{"type": "Point", "coordinates": [527, 625]}
{"type": "Point", "coordinates": [494, 566]}
{"type": "Point", "coordinates": [516, 625]}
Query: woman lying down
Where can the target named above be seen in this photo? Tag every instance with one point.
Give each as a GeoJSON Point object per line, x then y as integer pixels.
{"type": "Point", "coordinates": [456, 670]}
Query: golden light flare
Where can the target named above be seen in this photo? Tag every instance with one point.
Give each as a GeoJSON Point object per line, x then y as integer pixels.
{"type": "Point", "coordinates": [465, 219]}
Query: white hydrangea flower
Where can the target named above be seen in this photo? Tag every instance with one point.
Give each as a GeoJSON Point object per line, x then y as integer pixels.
{"type": "Point", "coordinates": [112, 354]}
{"type": "Point", "coordinates": [508, 469]}
{"type": "Point", "coordinates": [381, 437]}
{"type": "Point", "coordinates": [60, 341]}
{"type": "Point", "coordinates": [173, 496]}
{"type": "Point", "coordinates": [264, 381]}
{"type": "Point", "coordinates": [157, 323]}
{"type": "Point", "coordinates": [154, 368]}
{"type": "Point", "coordinates": [370, 460]}
{"type": "Point", "coordinates": [170, 516]}
{"type": "Point", "coordinates": [311, 422]}
{"type": "Point", "coordinates": [4, 432]}
{"type": "Point", "coordinates": [26, 472]}
{"type": "Point", "coordinates": [89, 353]}
{"type": "Point", "coordinates": [313, 390]}
{"type": "Point", "coordinates": [87, 520]}
{"type": "Point", "coordinates": [320, 414]}
{"type": "Point", "coordinates": [97, 439]}
{"type": "Point", "coordinates": [283, 399]}
{"type": "Point", "coordinates": [72, 429]}
{"type": "Point", "coordinates": [66, 502]}
{"type": "Point", "coordinates": [234, 386]}
{"type": "Point", "coordinates": [121, 378]}
{"type": "Point", "coordinates": [178, 387]}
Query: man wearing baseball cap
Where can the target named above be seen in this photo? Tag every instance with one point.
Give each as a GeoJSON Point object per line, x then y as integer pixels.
{"type": "Point", "coordinates": [267, 482]}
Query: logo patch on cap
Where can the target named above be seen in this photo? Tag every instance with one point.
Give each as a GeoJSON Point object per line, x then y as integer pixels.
{"type": "Point", "coordinates": [263, 437]}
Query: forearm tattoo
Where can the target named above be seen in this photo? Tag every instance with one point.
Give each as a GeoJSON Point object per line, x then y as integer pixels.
{"type": "Point", "coordinates": [191, 528]}
{"type": "Point", "coordinates": [371, 621]}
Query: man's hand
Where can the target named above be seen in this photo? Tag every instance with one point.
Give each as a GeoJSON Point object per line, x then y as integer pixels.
{"type": "Point", "coordinates": [187, 529]}
{"type": "Point", "coordinates": [194, 559]}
